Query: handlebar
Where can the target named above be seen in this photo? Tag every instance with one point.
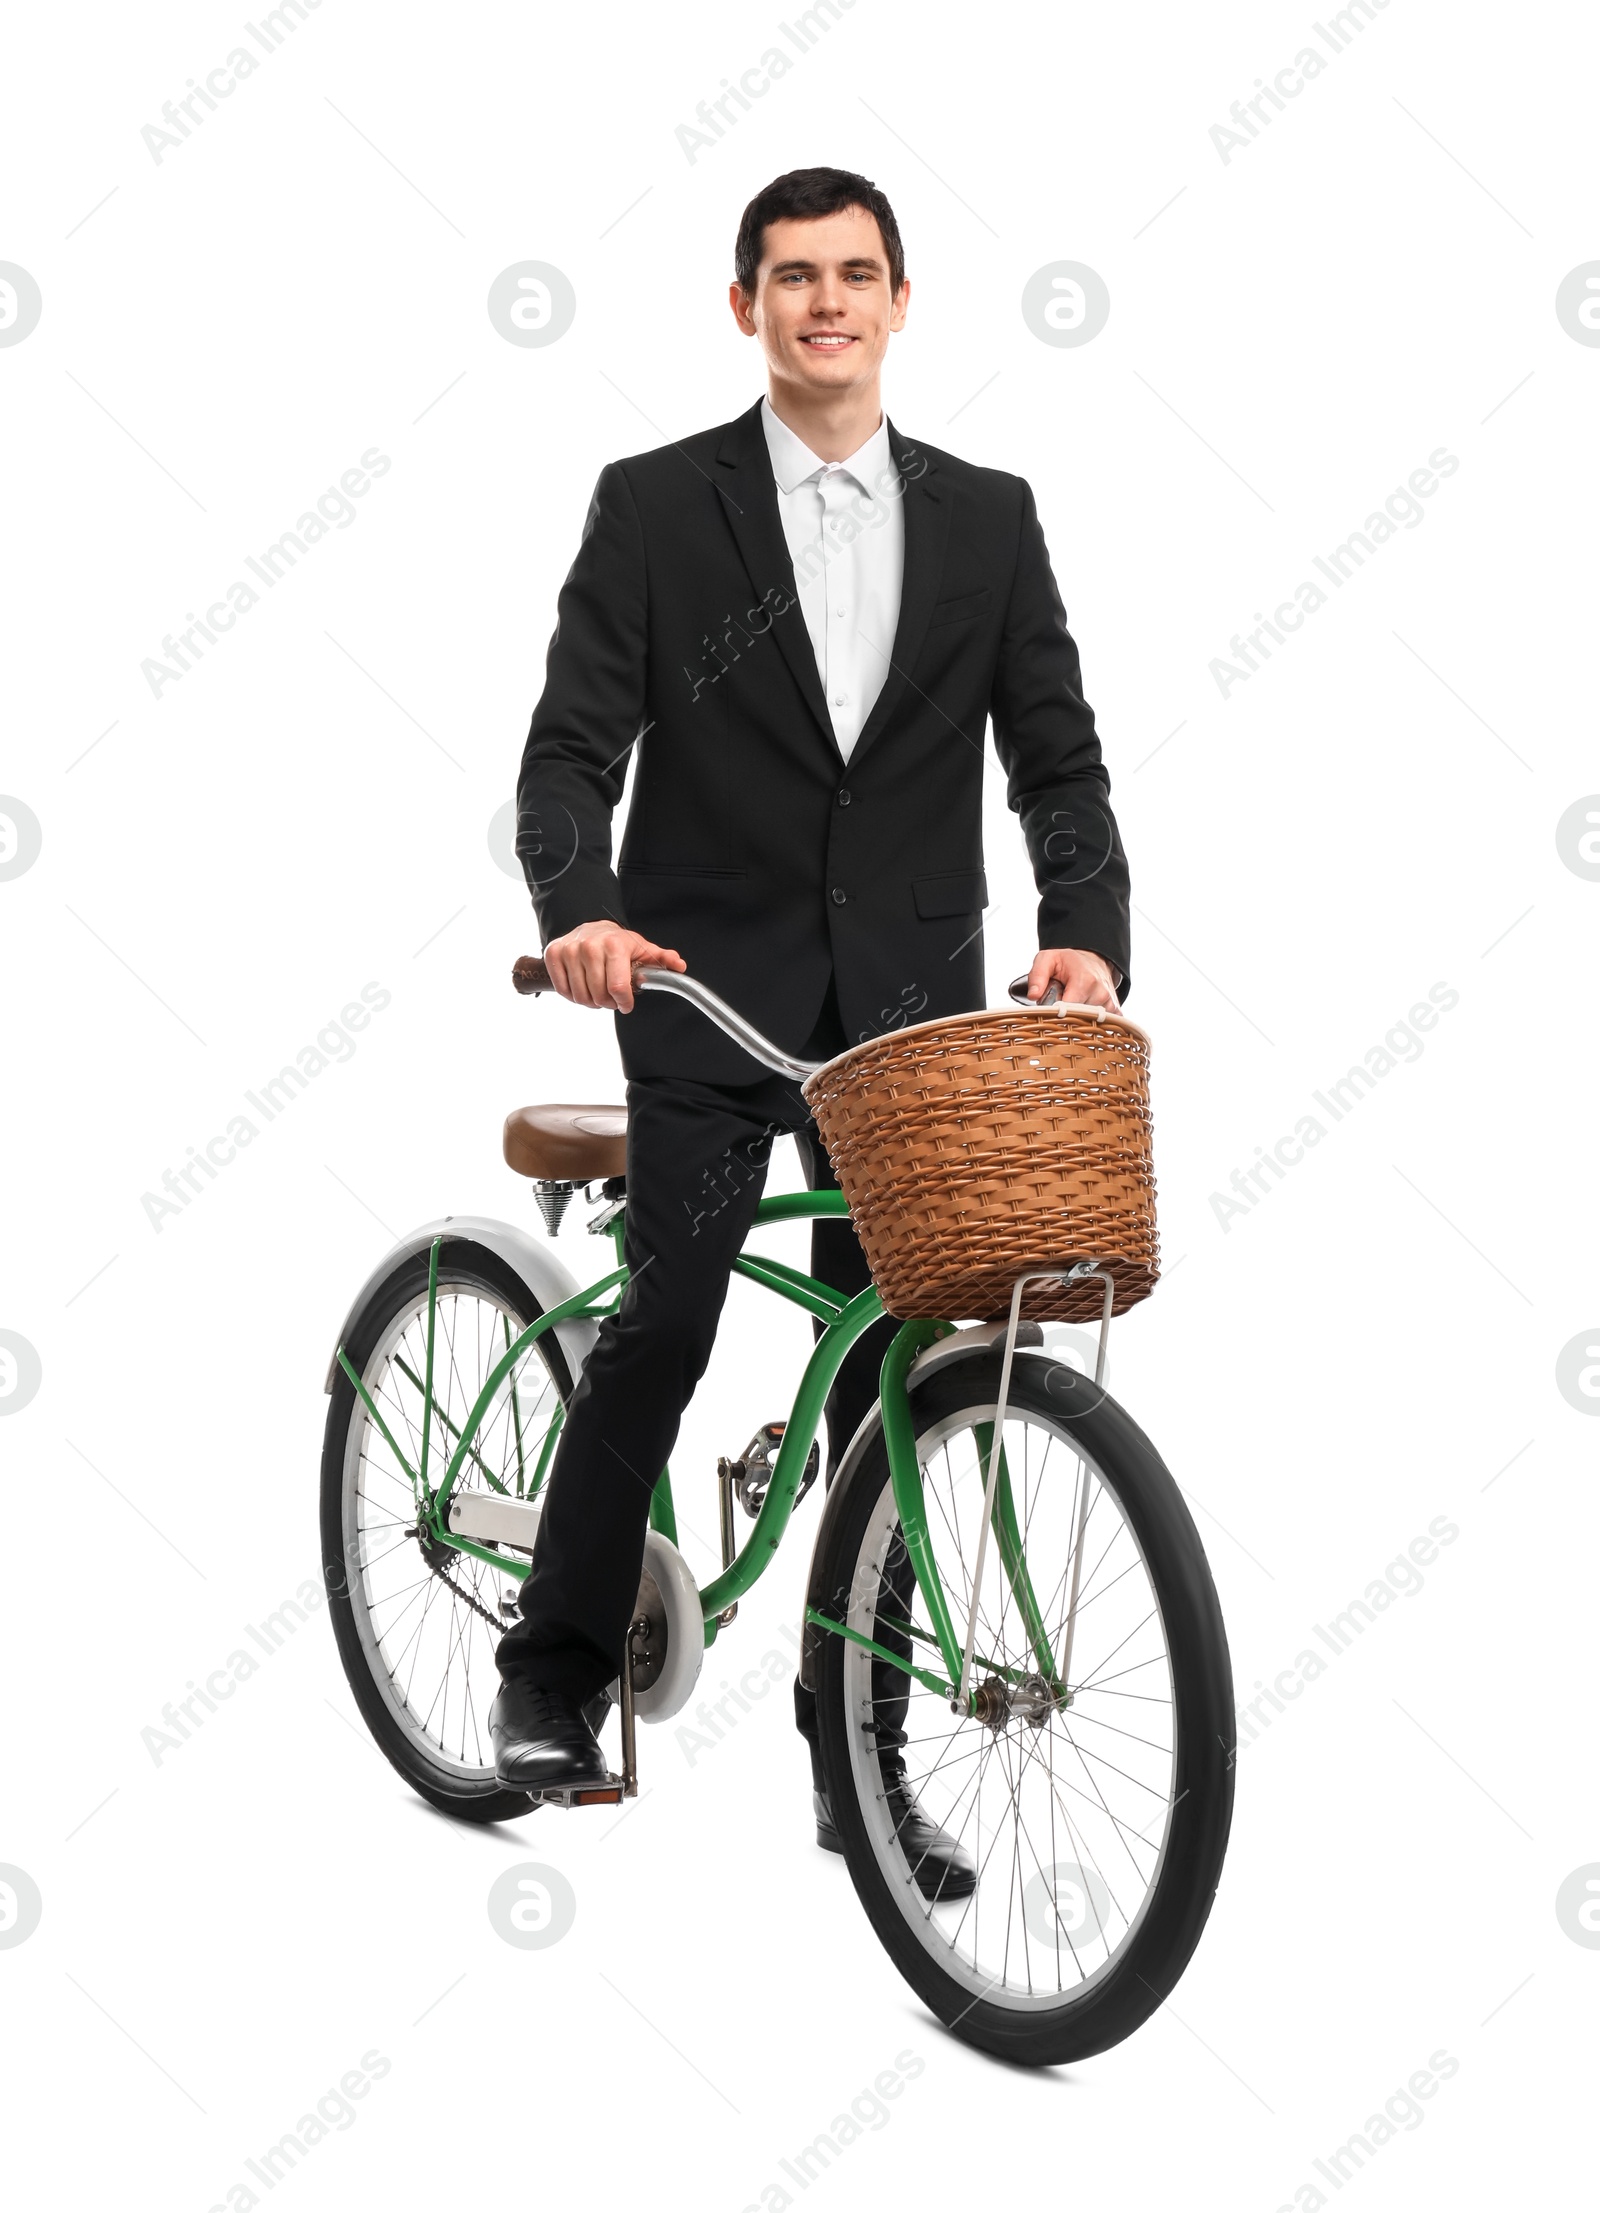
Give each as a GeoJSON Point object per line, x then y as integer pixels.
{"type": "Point", "coordinates": [530, 976]}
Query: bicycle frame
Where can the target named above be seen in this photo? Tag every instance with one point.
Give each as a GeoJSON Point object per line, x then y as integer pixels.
{"type": "Point", "coordinates": [844, 1320]}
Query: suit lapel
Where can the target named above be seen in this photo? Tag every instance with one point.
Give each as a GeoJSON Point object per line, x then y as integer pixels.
{"type": "Point", "coordinates": [749, 499]}
{"type": "Point", "coordinates": [927, 530]}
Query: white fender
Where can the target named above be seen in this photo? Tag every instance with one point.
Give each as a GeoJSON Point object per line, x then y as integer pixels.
{"type": "Point", "coordinates": [547, 1280]}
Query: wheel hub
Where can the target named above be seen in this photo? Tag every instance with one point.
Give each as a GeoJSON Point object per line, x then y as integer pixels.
{"type": "Point", "coordinates": [995, 1703]}
{"type": "Point", "coordinates": [991, 1703]}
{"type": "Point", "coordinates": [1034, 1701]}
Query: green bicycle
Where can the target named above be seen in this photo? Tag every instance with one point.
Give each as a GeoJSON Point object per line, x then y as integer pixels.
{"type": "Point", "coordinates": [1005, 1585]}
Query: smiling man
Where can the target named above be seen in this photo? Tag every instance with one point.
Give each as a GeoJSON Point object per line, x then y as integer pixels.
{"type": "Point", "coordinates": [803, 621]}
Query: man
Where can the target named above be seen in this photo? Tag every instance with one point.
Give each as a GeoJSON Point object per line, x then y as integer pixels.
{"type": "Point", "coordinates": [802, 620]}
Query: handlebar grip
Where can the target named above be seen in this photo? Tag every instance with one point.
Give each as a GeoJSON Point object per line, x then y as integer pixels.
{"type": "Point", "coordinates": [530, 976]}
{"type": "Point", "coordinates": [1019, 992]}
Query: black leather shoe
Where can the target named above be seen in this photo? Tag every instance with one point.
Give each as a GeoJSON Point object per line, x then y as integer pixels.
{"type": "Point", "coordinates": [541, 1741]}
{"type": "Point", "coordinates": [939, 1866]}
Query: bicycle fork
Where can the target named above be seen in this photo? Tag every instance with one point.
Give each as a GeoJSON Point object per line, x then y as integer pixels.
{"type": "Point", "coordinates": [1082, 1271]}
{"type": "Point", "coordinates": [999, 1511]}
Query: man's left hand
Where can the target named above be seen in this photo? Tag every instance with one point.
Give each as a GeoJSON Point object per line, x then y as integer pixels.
{"type": "Point", "coordinates": [1085, 978]}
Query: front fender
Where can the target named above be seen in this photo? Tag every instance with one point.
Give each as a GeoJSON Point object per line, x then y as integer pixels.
{"type": "Point", "coordinates": [547, 1280]}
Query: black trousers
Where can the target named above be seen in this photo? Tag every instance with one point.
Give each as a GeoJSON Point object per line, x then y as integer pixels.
{"type": "Point", "coordinates": [697, 1162]}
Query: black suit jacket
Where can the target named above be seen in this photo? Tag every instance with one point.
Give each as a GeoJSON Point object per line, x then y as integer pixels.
{"type": "Point", "coordinates": [752, 848]}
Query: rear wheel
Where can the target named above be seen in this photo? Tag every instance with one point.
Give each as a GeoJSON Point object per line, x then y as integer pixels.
{"type": "Point", "coordinates": [1094, 1792]}
{"type": "Point", "coordinates": [417, 1622]}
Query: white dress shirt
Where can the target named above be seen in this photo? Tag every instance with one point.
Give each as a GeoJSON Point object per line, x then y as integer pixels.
{"type": "Point", "coordinates": [845, 529]}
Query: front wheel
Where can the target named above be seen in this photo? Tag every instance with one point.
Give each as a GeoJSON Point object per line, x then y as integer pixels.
{"type": "Point", "coordinates": [1093, 1791]}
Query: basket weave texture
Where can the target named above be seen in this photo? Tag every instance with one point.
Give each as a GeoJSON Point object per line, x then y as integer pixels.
{"type": "Point", "coordinates": [974, 1149]}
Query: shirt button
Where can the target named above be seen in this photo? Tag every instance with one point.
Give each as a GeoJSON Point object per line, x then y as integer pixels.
{"type": "Point", "coordinates": [839, 698]}
{"type": "Point", "coordinates": [844, 799]}
{"type": "Point", "coordinates": [838, 896]}
{"type": "Point", "coordinates": [839, 611]}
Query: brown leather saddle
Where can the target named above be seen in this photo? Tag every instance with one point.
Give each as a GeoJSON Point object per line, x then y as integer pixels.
{"type": "Point", "coordinates": [567, 1144]}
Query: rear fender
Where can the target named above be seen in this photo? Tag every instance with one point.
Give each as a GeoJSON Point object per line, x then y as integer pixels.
{"type": "Point", "coordinates": [547, 1281]}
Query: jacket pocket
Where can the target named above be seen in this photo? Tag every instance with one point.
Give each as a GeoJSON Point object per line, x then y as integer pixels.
{"type": "Point", "coordinates": [938, 896]}
{"type": "Point", "coordinates": [959, 610]}
{"type": "Point", "coordinates": [681, 868]}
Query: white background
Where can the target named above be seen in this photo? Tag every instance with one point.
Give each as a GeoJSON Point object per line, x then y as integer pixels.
{"type": "Point", "coordinates": [1292, 332]}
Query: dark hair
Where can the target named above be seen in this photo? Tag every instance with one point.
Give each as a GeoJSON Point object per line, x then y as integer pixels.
{"type": "Point", "coordinates": [802, 195]}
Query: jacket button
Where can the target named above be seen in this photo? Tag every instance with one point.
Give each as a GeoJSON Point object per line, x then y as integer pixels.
{"type": "Point", "coordinates": [844, 799]}
{"type": "Point", "coordinates": [838, 896]}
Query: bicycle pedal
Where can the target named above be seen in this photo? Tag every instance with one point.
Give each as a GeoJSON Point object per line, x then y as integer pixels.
{"type": "Point", "coordinates": [752, 1471]}
{"type": "Point", "coordinates": [609, 1793]}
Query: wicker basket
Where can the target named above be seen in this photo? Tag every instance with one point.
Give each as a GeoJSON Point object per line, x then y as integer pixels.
{"type": "Point", "coordinates": [973, 1149]}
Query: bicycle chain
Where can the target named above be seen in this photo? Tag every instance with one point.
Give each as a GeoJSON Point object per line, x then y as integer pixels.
{"type": "Point", "coordinates": [494, 1621]}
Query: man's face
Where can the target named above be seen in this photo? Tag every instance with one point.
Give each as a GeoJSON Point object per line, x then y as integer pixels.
{"type": "Point", "coordinates": [822, 307]}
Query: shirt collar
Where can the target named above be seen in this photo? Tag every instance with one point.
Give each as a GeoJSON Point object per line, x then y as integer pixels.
{"type": "Point", "coordinates": [794, 463]}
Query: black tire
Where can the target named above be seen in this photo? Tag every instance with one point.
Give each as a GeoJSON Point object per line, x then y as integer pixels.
{"type": "Point", "coordinates": [1136, 1975]}
{"type": "Point", "coordinates": [475, 1270]}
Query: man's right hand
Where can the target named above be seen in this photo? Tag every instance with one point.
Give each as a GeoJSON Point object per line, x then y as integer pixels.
{"type": "Point", "coordinates": [593, 965]}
